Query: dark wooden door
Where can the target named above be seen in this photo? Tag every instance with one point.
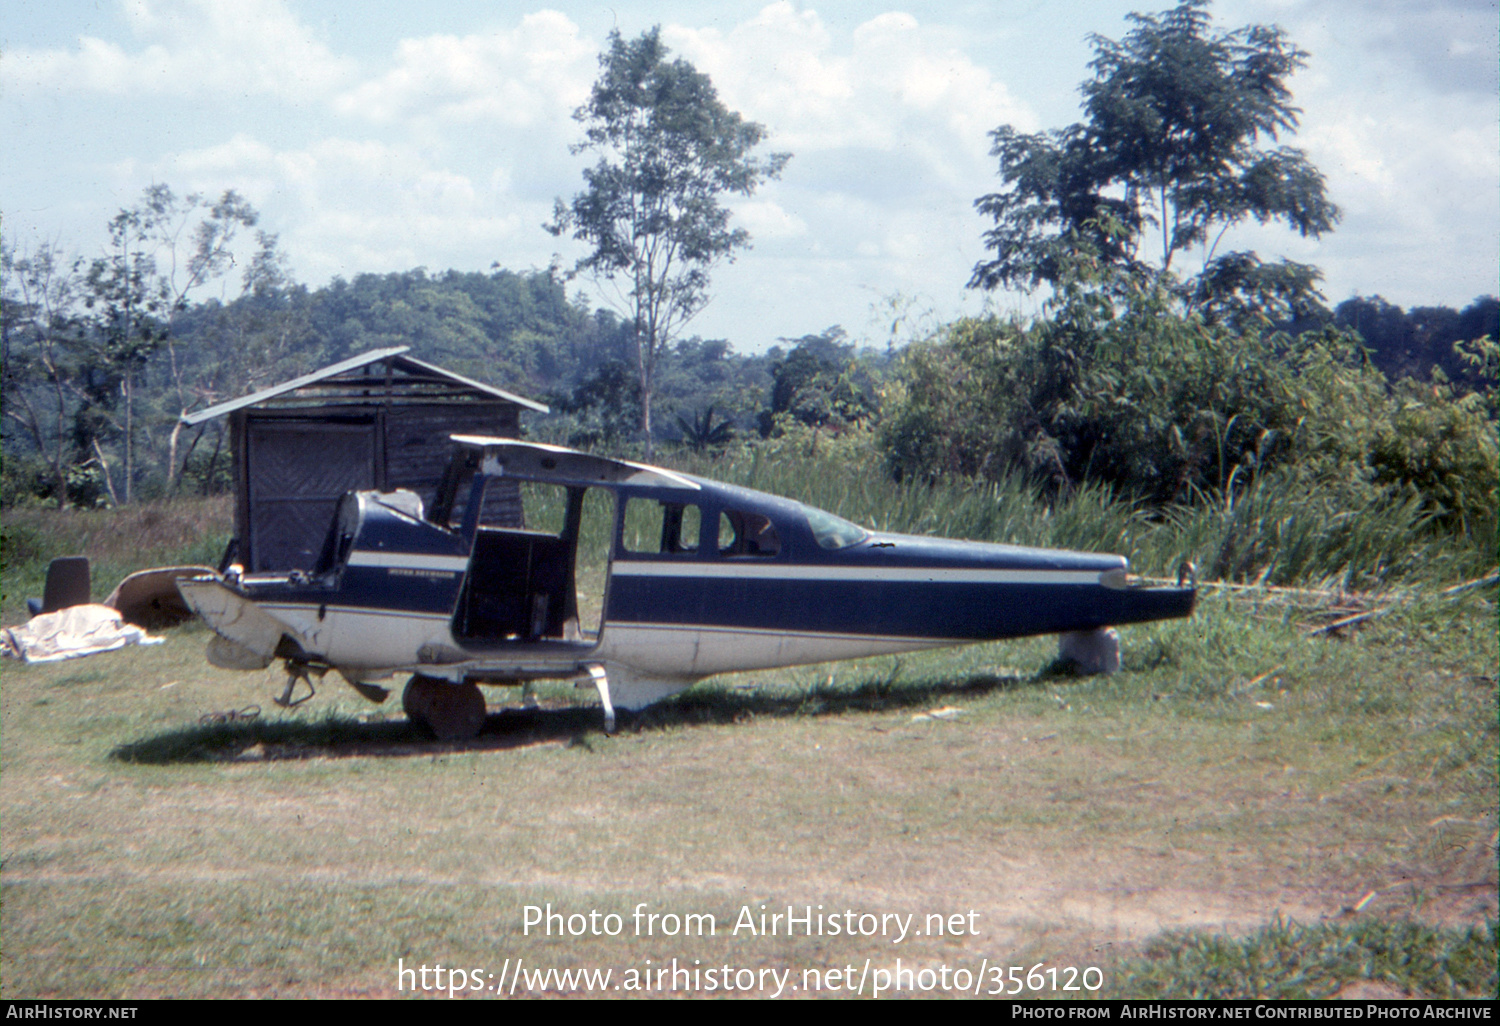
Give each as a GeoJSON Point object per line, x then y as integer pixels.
{"type": "Point", "coordinates": [297, 470]}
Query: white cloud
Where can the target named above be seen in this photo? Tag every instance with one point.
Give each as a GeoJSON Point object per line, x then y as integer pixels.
{"type": "Point", "coordinates": [188, 48]}
{"type": "Point", "coordinates": [766, 219]}
{"type": "Point", "coordinates": [446, 142]}
{"type": "Point", "coordinates": [1421, 210]}
{"type": "Point", "coordinates": [348, 206]}
{"type": "Point", "coordinates": [537, 73]}
{"type": "Point", "coordinates": [894, 84]}
{"type": "Point", "coordinates": [1415, 166]}
{"type": "Point", "coordinates": [889, 126]}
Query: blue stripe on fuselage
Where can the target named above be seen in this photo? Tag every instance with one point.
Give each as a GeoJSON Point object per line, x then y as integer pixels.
{"type": "Point", "coordinates": [954, 609]}
{"type": "Point", "coordinates": [400, 589]}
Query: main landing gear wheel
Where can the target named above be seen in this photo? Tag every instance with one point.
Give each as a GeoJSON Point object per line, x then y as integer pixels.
{"type": "Point", "coordinates": [454, 712]}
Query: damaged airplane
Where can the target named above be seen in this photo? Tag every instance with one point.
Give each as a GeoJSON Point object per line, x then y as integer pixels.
{"type": "Point", "coordinates": [632, 579]}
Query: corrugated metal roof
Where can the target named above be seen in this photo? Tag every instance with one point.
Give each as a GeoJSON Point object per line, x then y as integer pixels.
{"type": "Point", "coordinates": [393, 355]}
{"type": "Point", "coordinates": [530, 404]}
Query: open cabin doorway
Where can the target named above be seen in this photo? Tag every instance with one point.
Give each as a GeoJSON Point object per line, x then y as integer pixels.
{"type": "Point", "coordinates": [543, 581]}
{"type": "Point", "coordinates": [591, 567]}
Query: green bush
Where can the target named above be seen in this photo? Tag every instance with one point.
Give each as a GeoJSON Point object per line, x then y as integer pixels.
{"type": "Point", "coordinates": [1117, 385]}
{"type": "Point", "coordinates": [1442, 449]}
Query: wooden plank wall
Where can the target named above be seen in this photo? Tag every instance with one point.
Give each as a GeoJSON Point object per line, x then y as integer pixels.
{"type": "Point", "coordinates": [418, 449]}
{"type": "Point", "coordinates": [405, 446]}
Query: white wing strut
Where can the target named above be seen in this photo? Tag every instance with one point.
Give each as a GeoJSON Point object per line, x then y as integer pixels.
{"type": "Point", "coordinates": [601, 682]}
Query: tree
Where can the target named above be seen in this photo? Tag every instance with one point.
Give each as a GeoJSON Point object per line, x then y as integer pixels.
{"type": "Point", "coordinates": [1420, 343]}
{"type": "Point", "coordinates": [210, 257]}
{"type": "Point", "coordinates": [43, 336]}
{"type": "Point", "coordinates": [136, 299]}
{"type": "Point", "coordinates": [668, 150]}
{"type": "Point", "coordinates": [1116, 385]}
{"type": "Point", "coordinates": [130, 301]}
{"type": "Point", "coordinates": [701, 433]}
{"type": "Point", "coordinates": [823, 383]}
{"type": "Point", "coordinates": [1172, 150]}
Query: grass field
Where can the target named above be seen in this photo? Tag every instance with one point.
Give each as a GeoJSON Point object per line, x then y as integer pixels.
{"type": "Point", "coordinates": [1247, 809]}
{"type": "Point", "coordinates": [117, 542]}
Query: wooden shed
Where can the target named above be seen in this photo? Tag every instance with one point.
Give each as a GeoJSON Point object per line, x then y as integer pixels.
{"type": "Point", "coordinates": [378, 420]}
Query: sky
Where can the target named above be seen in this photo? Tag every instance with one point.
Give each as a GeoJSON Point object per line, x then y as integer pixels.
{"type": "Point", "coordinates": [384, 135]}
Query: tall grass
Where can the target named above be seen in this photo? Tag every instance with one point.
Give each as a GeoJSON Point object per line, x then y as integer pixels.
{"type": "Point", "coordinates": [118, 542]}
{"type": "Point", "coordinates": [1276, 531]}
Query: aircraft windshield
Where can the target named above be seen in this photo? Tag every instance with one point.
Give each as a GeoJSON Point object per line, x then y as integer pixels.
{"type": "Point", "coordinates": [833, 532]}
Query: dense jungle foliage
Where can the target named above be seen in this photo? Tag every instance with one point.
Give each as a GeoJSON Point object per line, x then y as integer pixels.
{"type": "Point", "coordinates": [1115, 383]}
{"type": "Point", "coordinates": [1115, 391]}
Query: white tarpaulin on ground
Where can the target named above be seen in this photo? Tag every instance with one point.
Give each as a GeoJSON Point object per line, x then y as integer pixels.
{"type": "Point", "coordinates": [72, 632]}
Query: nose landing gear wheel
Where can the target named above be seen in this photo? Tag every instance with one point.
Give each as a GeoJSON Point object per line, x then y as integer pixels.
{"type": "Point", "coordinates": [454, 712]}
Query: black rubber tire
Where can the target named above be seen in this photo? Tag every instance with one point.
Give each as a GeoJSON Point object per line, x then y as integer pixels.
{"type": "Point", "coordinates": [453, 712]}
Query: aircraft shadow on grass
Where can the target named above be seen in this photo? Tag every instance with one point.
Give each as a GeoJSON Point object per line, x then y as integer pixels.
{"type": "Point", "coordinates": [249, 740]}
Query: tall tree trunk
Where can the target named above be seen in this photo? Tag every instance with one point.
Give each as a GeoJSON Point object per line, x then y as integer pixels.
{"type": "Point", "coordinates": [109, 481]}
{"type": "Point", "coordinates": [172, 454]}
{"type": "Point", "coordinates": [129, 432]}
{"type": "Point", "coordinates": [57, 459]}
{"type": "Point", "coordinates": [644, 353]}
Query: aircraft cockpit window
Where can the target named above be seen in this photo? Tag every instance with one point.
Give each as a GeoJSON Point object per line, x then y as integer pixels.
{"type": "Point", "coordinates": [833, 532]}
{"type": "Point", "coordinates": [503, 504]}
{"type": "Point", "coordinates": [684, 524]}
{"type": "Point", "coordinates": [453, 497]}
{"type": "Point", "coordinates": [668, 528]}
{"type": "Point", "coordinates": [747, 534]}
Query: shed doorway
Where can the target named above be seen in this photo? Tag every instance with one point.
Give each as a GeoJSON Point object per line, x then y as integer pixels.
{"type": "Point", "coordinates": [299, 469]}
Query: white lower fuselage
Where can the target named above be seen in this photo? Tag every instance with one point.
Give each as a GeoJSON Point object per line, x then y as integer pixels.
{"type": "Point", "coordinates": [645, 662]}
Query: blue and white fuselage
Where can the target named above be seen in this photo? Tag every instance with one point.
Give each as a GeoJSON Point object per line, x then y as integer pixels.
{"type": "Point", "coordinates": [686, 578]}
